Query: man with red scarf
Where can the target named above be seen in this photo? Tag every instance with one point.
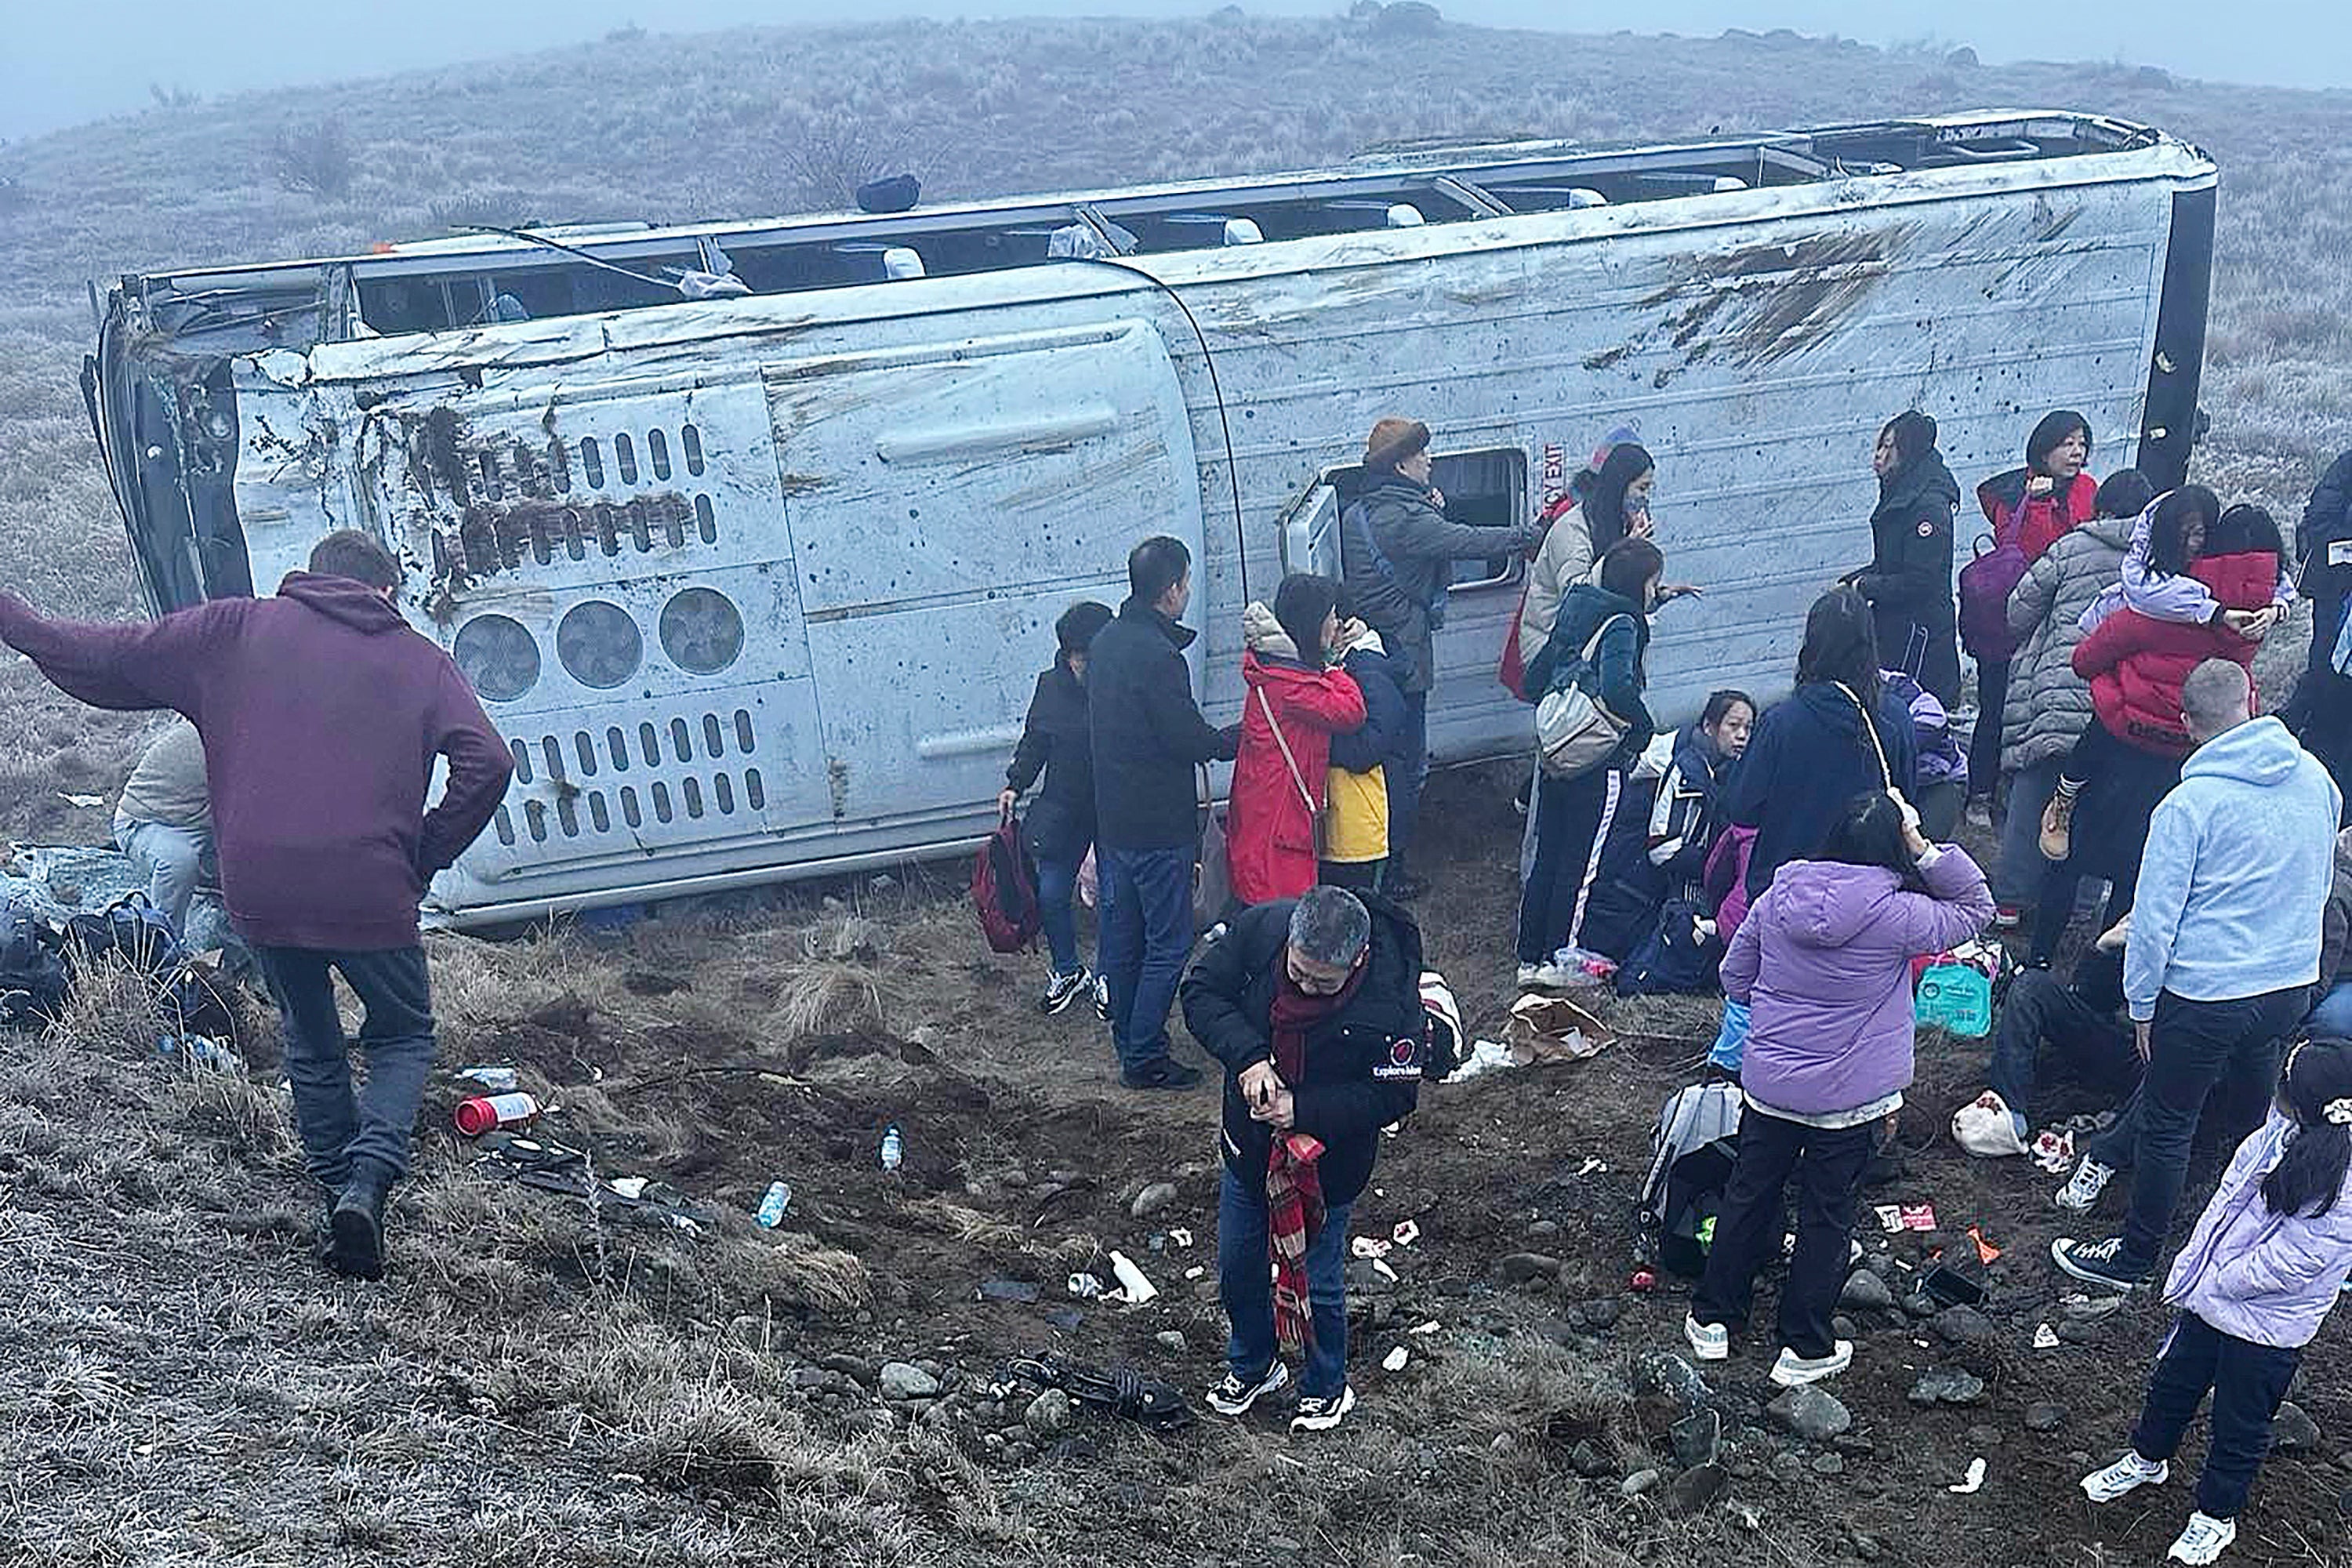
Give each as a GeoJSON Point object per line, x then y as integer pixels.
{"type": "Point", "coordinates": [1313, 1007]}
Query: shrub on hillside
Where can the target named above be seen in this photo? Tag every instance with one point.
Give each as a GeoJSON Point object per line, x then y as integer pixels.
{"type": "Point", "coordinates": [314, 157]}
{"type": "Point", "coordinates": [499, 209]}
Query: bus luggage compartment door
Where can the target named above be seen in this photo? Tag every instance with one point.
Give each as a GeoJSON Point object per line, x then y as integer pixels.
{"type": "Point", "coordinates": [950, 502]}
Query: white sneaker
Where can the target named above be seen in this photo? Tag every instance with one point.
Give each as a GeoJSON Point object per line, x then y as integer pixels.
{"type": "Point", "coordinates": [1709, 1342]}
{"type": "Point", "coordinates": [2081, 1193]}
{"type": "Point", "coordinates": [1985, 1128]}
{"type": "Point", "coordinates": [2203, 1539]}
{"type": "Point", "coordinates": [1529, 974]}
{"type": "Point", "coordinates": [2127, 1474]}
{"type": "Point", "coordinates": [1793, 1370]}
{"type": "Point", "coordinates": [1551, 977]}
{"type": "Point", "coordinates": [1323, 1414]}
{"type": "Point", "coordinates": [1231, 1396]}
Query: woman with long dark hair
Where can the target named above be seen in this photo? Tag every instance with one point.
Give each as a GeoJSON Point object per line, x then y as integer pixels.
{"type": "Point", "coordinates": [1909, 579]}
{"type": "Point", "coordinates": [1824, 964]}
{"type": "Point", "coordinates": [1613, 504]}
{"type": "Point", "coordinates": [1834, 737]}
{"type": "Point", "coordinates": [1296, 702]}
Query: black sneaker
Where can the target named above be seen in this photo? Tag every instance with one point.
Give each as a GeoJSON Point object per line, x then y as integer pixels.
{"type": "Point", "coordinates": [1165, 1073]}
{"type": "Point", "coordinates": [1062, 990]}
{"type": "Point", "coordinates": [357, 1219]}
{"type": "Point", "coordinates": [1231, 1396]}
{"type": "Point", "coordinates": [2100, 1263]}
{"type": "Point", "coordinates": [1322, 1414]}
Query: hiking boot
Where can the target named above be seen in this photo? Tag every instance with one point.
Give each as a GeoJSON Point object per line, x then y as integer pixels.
{"type": "Point", "coordinates": [2058, 828]}
{"type": "Point", "coordinates": [2127, 1474]}
{"type": "Point", "coordinates": [1062, 990]}
{"type": "Point", "coordinates": [1709, 1342]}
{"type": "Point", "coordinates": [1102, 997]}
{"type": "Point", "coordinates": [1322, 1414]}
{"type": "Point", "coordinates": [2202, 1539]}
{"type": "Point", "coordinates": [1231, 1396]}
{"type": "Point", "coordinates": [357, 1222]}
{"type": "Point", "coordinates": [2081, 1193]}
{"type": "Point", "coordinates": [2100, 1263]}
{"type": "Point", "coordinates": [1986, 1128]}
{"type": "Point", "coordinates": [1165, 1073]}
{"type": "Point", "coordinates": [1794, 1371]}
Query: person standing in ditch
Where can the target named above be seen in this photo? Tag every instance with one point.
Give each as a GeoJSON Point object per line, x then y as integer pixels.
{"type": "Point", "coordinates": [1149, 737]}
{"type": "Point", "coordinates": [322, 714]}
{"type": "Point", "coordinates": [1313, 1007]}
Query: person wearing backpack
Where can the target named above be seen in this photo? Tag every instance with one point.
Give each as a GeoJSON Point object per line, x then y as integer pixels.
{"type": "Point", "coordinates": [1823, 962]}
{"type": "Point", "coordinates": [1909, 579]}
{"type": "Point", "coordinates": [1399, 547]}
{"type": "Point", "coordinates": [1598, 643]}
{"type": "Point", "coordinates": [1058, 741]}
{"type": "Point", "coordinates": [1355, 854]}
{"type": "Point", "coordinates": [1296, 702]}
{"type": "Point", "coordinates": [2261, 1270]}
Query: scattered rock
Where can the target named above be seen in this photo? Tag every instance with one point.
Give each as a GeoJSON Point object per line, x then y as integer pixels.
{"type": "Point", "coordinates": [1829, 1465]}
{"type": "Point", "coordinates": [1049, 1415]}
{"type": "Point", "coordinates": [2044, 1417]}
{"type": "Point", "coordinates": [1981, 1438]}
{"type": "Point", "coordinates": [1591, 1460]}
{"type": "Point", "coordinates": [1697, 1490]}
{"type": "Point", "coordinates": [1172, 1341]}
{"type": "Point", "coordinates": [848, 1366]}
{"type": "Point", "coordinates": [1601, 1314]}
{"type": "Point", "coordinates": [810, 1377]}
{"type": "Point", "coordinates": [1544, 1230]}
{"type": "Point", "coordinates": [1964, 1326]}
{"type": "Point", "coordinates": [1846, 1328]}
{"type": "Point", "coordinates": [1811, 1414]}
{"type": "Point", "coordinates": [1948, 1388]}
{"type": "Point", "coordinates": [1788, 1470]}
{"type": "Point", "coordinates": [1865, 1292]}
{"type": "Point", "coordinates": [902, 1380]}
{"type": "Point", "coordinates": [1152, 1199]}
{"type": "Point", "coordinates": [1853, 1445]}
{"type": "Point", "coordinates": [1919, 1304]}
{"type": "Point", "coordinates": [1526, 1267]}
{"type": "Point", "coordinates": [1667, 1377]}
{"type": "Point", "coordinates": [2293, 1431]}
{"type": "Point", "coordinates": [1698, 1438]}
{"type": "Point", "coordinates": [2082, 1331]}
{"type": "Point", "coordinates": [1365, 1281]}
{"type": "Point", "coordinates": [1869, 1548]}
{"type": "Point", "coordinates": [1638, 1482]}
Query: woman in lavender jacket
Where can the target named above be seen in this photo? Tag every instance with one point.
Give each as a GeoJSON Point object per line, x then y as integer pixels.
{"type": "Point", "coordinates": [2253, 1285]}
{"type": "Point", "coordinates": [1823, 961]}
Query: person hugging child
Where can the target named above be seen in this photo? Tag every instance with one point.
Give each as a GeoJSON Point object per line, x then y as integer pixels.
{"type": "Point", "coordinates": [2253, 1285]}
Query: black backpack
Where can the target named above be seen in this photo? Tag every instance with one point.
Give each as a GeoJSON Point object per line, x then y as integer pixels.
{"type": "Point", "coordinates": [1673, 959]}
{"type": "Point", "coordinates": [32, 971]}
{"type": "Point", "coordinates": [1696, 1138]}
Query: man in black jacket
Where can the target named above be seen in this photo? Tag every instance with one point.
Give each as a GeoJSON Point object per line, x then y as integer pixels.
{"type": "Point", "coordinates": [1400, 550]}
{"type": "Point", "coordinates": [2320, 711]}
{"type": "Point", "coordinates": [1149, 737]}
{"type": "Point", "coordinates": [1314, 1008]}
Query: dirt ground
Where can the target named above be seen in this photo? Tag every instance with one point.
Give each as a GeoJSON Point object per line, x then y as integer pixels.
{"type": "Point", "coordinates": [183, 1383]}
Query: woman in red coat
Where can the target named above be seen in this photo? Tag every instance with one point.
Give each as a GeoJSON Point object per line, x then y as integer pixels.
{"type": "Point", "coordinates": [1296, 701]}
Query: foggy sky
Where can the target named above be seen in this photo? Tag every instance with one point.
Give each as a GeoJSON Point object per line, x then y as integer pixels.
{"type": "Point", "coordinates": [62, 64]}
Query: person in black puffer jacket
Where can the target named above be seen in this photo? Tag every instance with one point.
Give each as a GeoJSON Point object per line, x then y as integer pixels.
{"type": "Point", "coordinates": [1909, 579]}
{"type": "Point", "coordinates": [1314, 1008]}
{"type": "Point", "coordinates": [1057, 741]}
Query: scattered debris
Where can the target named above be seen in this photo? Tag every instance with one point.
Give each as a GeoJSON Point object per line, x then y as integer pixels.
{"type": "Point", "coordinates": [87, 802]}
{"type": "Point", "coordinates": [1395, 1360]}
{"type": "Point", "coordinates": [486, 1113]}
{"type": "Point", "coordinates": [1554, 1029]}
{"type": "Point", "coordinates": [1593, 1166]}
{"type": "Point", "coordinates": [894, 1147]}
{"type": "Point", "coordinates": [1085, 1287]}
{"type": "Point", "coordinates": [1368, 1247]}
{"type": "Point", "coordinates": [2045, 1337]}
{"type": "Point", "coordinates": [1133, 1288]}
{"type": "Point", "coordinates": [1157, 1195]}
{"type": "Point", "coordinates": [1195, 1272]}
{"type": "Point", "coordinates": [1007, 1291]}
{"type": "Point", "coordinates": [1974, 1480]}
{"type": "Point", "coordinates": [1428, 1328]}
{"type": "Point", "coordinates": [1180, 1237]}
{"type": "Point", "coordinates": [1986, 1251]}
{"type": "Point", "coordinates": [1405, 1233]}
{"type": "Point", "coordinates": [491, 1080]}
{"type": "Point", "coordinates": [778, 1198]}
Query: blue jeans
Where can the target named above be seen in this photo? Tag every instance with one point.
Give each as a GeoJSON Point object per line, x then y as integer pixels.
{"type": "Point", "coordinates": [173, 858]}
{"type": "Point", "coordinates": [2332, 1018]}
{"type": "Point", "coordinates": [1246, 1283]}
{"type": "Point", "coordinates": [1058, 881]}
{"type": "Point", "coordinates": [395, 1035]}
{"type": "Point", "coordinates": [1406, 775]}
{"type": "Point", "coordinates": [1146, 935]}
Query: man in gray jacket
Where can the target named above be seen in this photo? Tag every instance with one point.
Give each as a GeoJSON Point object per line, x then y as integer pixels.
{"type": "Point", "coordinates": [1400, 552]}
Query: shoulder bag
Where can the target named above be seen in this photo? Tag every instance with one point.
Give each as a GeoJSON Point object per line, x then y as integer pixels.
{"type": "Point", "coordinates": [1575, 732]}
{"type": "Point", "coordinates": [1320, 815]}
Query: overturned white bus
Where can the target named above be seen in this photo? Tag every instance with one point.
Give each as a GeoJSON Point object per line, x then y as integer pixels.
{"type": "Point", "coordinates": [750, 535]}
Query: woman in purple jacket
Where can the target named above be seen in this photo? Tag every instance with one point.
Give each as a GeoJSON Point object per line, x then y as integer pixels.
{"type": "Point", "coordinates": [1823, 961]}
{"type": "Point", "coordinates": [2253, 1285]}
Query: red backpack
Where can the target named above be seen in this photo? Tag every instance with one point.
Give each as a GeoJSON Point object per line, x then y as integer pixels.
{"type": "Point", "coordinates": [1004, 890]}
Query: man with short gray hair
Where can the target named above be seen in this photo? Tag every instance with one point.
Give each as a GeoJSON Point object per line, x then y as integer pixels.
{"type": "Point", "coordinates": [2224, 944]}
{"type": "Point", "coordinates": [1313, 1007]}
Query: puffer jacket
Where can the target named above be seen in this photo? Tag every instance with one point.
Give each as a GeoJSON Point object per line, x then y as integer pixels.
{"type": "Point", "coordinates": [2268, 1278]}
{"type": "Point", "coordinates": [1361, 757]}
{"type": "Point", "coordinates": [1823, 962]}
{"type": "Point", "coordinates": [1270, 824]}
{"type": "Point", "coordinates": [2048, 703]}
{"type": "Point", "coordinates": [2135, 663]}
{"type": "Point", "coordinates": [1909, 579]}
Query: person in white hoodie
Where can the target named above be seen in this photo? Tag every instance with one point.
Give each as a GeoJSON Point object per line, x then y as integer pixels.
{"type": "Point", "coordinates": [2224, 945]}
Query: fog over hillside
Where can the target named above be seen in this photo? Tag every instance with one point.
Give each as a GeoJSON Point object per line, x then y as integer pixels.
{"type": "Point", "coordinates": [63, 65]}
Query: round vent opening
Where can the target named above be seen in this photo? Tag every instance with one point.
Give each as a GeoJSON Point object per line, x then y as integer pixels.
{"type": "Point", "coordinates": [499, 655]}
{"type": "Point", "coordinates": [599, 643]}
{"type": "Point", "coordinates": [701, 631]}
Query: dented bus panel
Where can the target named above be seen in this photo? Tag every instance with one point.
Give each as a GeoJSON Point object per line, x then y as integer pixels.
{"type": "Point", "coordinates": [757, 587]}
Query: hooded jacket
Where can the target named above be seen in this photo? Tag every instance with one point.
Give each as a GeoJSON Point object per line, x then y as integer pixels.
{"type": "Point", "coordinates": [2268, 1279]}
{"type": "Point", "coordinates": [1617, 678]}
{"type": "Point", "coordinates": [2048, 704]}
{"type": "Point", "coordinates": [1685, 817]}
{"type": "Point", "coordinates": [1399, 550]}
{"type": "Point", "coordinates": [1363, 1062]}
{"type": "Point", "coordinates": [1056, 742]}
{"type": "Point", "coordinates": [1909, 579]}
{"type": "Point", "coordinates": [2233, 883]}
{"type": "Point", "coordinates": [322, 713]}
{"type": "Point", "coordinates": [1147, 732]}
{"type": "Point", "coordinates": [2135, 664]}
{"type": "Point", "coordinates": [1823, 962]}
{"type": "Point", "coordinates": [1808, 758]}
{"type": "Point", "coordinates": [1361, 757]}
{"type": "Point", "coordinates": [1270, 827]}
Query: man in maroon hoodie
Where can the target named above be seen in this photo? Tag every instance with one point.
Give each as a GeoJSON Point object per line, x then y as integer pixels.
{"type": "Point", "coordinates": [322, 712]}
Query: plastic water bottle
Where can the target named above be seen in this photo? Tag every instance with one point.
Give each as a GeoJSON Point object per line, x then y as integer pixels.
{"type": "Point", "coordinates": [894, 1147]}
{"type": "Point", "coordinates": [198, 1051]}
{"type": "Point", "coordinates": [480, 1115]}
{"type": "Point", "coordinates": [772, 1206]}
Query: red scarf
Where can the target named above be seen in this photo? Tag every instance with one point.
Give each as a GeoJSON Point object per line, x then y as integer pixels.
{"type": "Point", "coordinates": [1294, 1187]}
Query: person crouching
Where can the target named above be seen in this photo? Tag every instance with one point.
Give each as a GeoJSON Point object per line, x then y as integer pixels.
{"type": "Point", "coordinates": [1313, 1007]}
